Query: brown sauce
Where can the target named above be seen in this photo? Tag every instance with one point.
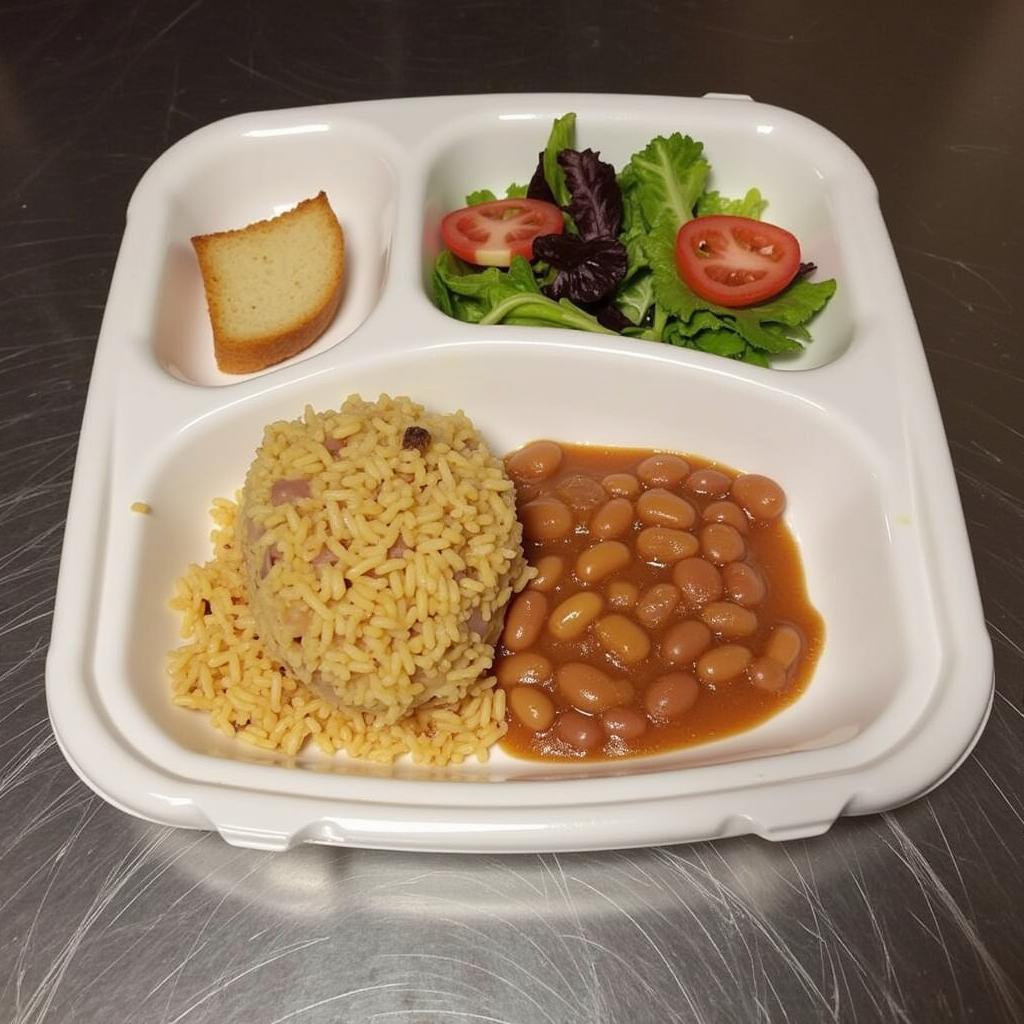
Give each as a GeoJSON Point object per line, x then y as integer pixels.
{"type": "Point", "coordinates": [629, 727]}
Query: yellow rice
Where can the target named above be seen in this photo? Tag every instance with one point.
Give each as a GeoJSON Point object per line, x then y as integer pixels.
{"type": "Point", "coordinates": [426, 551]}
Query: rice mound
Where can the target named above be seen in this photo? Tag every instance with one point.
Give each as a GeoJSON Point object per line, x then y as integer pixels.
{"type": "Point", "coordinates": [357, 589]}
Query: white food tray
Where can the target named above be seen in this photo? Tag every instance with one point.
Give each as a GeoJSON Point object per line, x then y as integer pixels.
{"type": "Point", "coordinates": [851, 429]}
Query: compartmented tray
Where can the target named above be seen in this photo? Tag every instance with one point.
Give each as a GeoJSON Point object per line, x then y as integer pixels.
{"type": "Point", "coordinates": [850, 428]}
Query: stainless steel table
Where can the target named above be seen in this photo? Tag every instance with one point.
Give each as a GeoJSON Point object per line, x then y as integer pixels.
{"type": "Point", "coordinates": [913, 916]}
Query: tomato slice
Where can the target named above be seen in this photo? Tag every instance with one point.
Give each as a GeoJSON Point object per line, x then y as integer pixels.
{"type": "Point", "coordinates": [736, 261]}
{"type": "Point", "coordinates": [490, 234]}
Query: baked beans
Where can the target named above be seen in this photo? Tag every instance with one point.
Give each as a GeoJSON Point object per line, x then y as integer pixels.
{"type": "Point", "coordinates": [589, 689]}
{"type": "Point", "coordinates": [726, 512]}
{"type": "Point", "coordinates": [657, 604]}
{"type": "Point", "coordinates": [709, 483]}
{"type": "Point", "coordinates": [622, 485]}
{"type": "Point", "coordinates": [612, 519]}
{"type": "Point", "coordinates": [658, 507]}
{"type": "Point", "coordinates": [622, 638]}
{"type": "Point", "coordinates": [622, 594]}
{"type": "Point", "coordinates": [665, 545]}
{"type": "Point", "coordinates": [525, 667]}
{"type": "Point", "coordinates": [671, 695]}
{"type": "Point", "coordinates": [729, 620]}
{"type": "Point", "coordinates": [685, 642]}
{"type": "Point", "coordinates": [524, 620]}
{"type": "Point", "coordinates": [572, 617]}
{"type": "Point", "coordinates": [534, 708]}
{"type": "Point", "coordinates": [537, 461]}
{"type": "Point", "coordinates": [744, 584]}
{"type": "Point", "coordinates": [758, 496]}
{"type": "Point", "coordinates": [698, 581]}
{"type": "Point", "coordinates": [546, 518]}
{"type": "Point", "coordinates": [626, 723]}
{"type": "Point", "coordinates": [549, 572]}
{"type": "Point", "coordinates": [603, 559]}
{"type": "Point", "coordinates": [668, 606]}
{"type": "Point", "coordinates": [723, 664]}
{"type": "Point", "coordinates": [721, 543]}
{"type": "Point", "coordinates": [663, 471]}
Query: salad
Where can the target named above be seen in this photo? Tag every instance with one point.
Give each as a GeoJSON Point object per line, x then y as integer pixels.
{"type": "Point", "coordinates": [648, 253]}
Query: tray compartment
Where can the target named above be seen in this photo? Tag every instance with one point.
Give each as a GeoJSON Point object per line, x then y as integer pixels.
{"type": "Point", "coordinates": [840, 509]}
{"type": "Point", "coordinates": [796, 172]}
{"type": "Point", "coordinates": [252, 174]}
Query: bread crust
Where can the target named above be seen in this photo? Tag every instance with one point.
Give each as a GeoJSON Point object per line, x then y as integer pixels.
{"type": "Point", "coordinates": [247, 355]}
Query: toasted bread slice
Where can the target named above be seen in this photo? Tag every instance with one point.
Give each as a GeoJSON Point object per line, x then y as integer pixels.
{"type": "Point", "coordinates": [272, 287]}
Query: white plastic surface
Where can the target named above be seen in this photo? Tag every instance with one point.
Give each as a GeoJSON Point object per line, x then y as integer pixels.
{"type": "Point", "coordinates": [851, 431]}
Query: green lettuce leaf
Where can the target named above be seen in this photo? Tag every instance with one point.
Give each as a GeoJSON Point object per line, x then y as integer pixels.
{"type": "Point", "coordinates": [751, 355]}
{"type": "Point", "coordinates": [468, 293]}
{"type": "Point", "coordinates": [761, 334]}
{"type": "Point", "coordinates": [702, 320]}
{"type": "Point", "coordinates": [719, 343]}
{"type": "Point", "coordinates": [668, 177]}
{"type": "Point", "coordinates": [485, 195]}
{"type": "Point", "coordinates": [633, 222]}
{"type": "Point", "coordinates": [796, 305]}
{"type": "Point", "coordinates": [563, 136]}
{"type": "Point", "coordinates": [672, 294]}
{"type": "Point", "coordinates": [520, 277]}
{"type": "Point", "coordinates": [634, 231]}
{"type": "Point", "coordinates": [510, 296]}
{"type": "Point", "coordinates": [636, 298]}
{"type": "Point", "coordinates": [442, 297]}
{"type": "Point", "coordinates": [752, 205]}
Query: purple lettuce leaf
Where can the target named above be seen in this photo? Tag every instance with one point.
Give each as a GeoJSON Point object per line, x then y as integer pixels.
{"type": "Point", "coordinates": [596, 203]}
{"type": "Point", "coordinates": [609, 315]}
{"type": "Point", "coordinates": [588, 271]}
{"type": "Point", "coordinates": [539, 187]}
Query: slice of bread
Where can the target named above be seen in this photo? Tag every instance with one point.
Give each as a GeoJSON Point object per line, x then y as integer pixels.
{"type": "Point", "coordinates": [272, 287]}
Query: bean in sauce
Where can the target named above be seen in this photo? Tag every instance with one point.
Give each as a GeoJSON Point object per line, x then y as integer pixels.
{"type": "Point", "coordinates": [549, 572]}
{"type": "Point", "coordinates": [601, 560]}
{"type": "Point", "coordinates": [709, 483]}
{"type": "Point", "coordinates": [572, 617]}
{"type": "Point", "coordinates": [626, 723]}
{"type": "Point", "coordinates": [622, 485]}
{"type": "Point", "coordinates": [622, 594]}
{"type": "Point", "coordinates": [698, 580]}
{"type": "Point", "coordinates": [744, 584]}
{"type": "Point", "coordinates": [726, 512]}
{"type": "Point", "coordinates": [729, 620]}
{"type": "Point", "coordinates": [545, 518]}
{"type": "Point", "coordinates": [665, 545]}
{"type": "Point", "coordinates": [685, 642]}
{"type": "Point", "coordinates": [533, 707]}
{"type": "Point", "coordinates": [657, 605]}
{"type": "Point", "coordinates": [759, 496]}
{"type": "Point", "coordinates": [589, 689]}
{"type": "Point", "coordinates": [671, 695]}
{"type": "Point", "coordinates": [623, 639]}
{"type": "Point", "coordinates": [612, 519]}
{"type": "Point", "coordinates": [524, 667]}
{"type": "Point", "coordinates": [524, 620]}
{"type": "Point", "coordinates": [721, 543]}
{"type": "Point", "coordinates": [578, 732]}
{"type": "Point", "coordinates": [537, 461]}
{"type": "Point", "coordinates": [658, 507]}
{"type": "Point", "coordinates": [668, 608]}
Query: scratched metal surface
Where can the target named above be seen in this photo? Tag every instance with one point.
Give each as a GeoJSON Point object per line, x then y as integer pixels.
{"type": "Point", "coordinates": [910, 916]}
